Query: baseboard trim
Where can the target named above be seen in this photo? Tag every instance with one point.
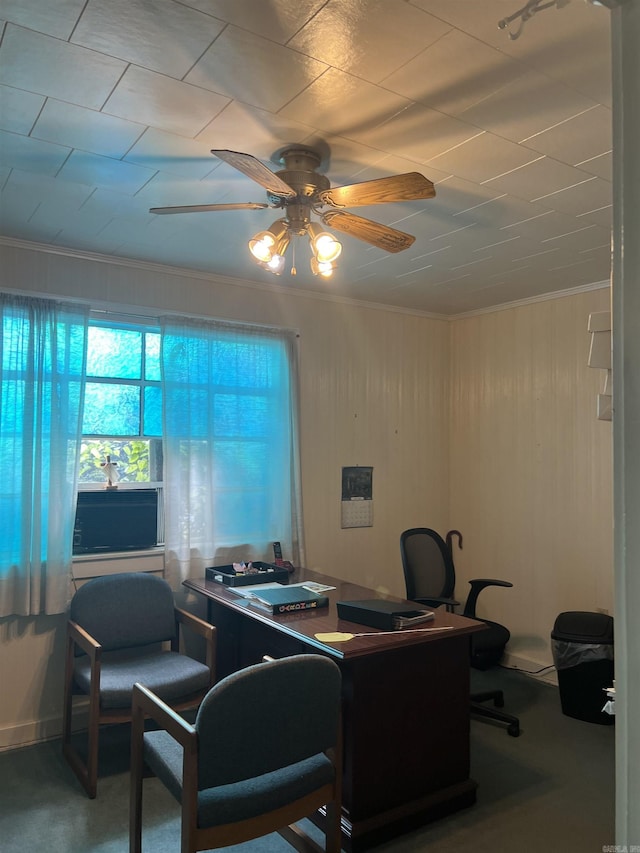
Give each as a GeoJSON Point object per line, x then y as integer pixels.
{"type": "Point", "coordinates": [39, 731]}
{"type": "Point", "coordinates": [30, 733]}
{"type": "Point", "coordinates": [537, 669]}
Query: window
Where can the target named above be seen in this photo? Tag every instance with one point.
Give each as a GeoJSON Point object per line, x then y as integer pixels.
{"type": "Point", "coordinates": [204, 411]}
{"type": "Point", "coordinates": [122, 417]}
{"type": "Point", "coordinates": [230, 421]}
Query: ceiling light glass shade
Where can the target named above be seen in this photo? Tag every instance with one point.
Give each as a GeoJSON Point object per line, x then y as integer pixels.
{"type": "Point", "coordinates": [323, 244]}
{"type": "Point", "coordinates": [265, 244]}
{"type": "Point", "coordinates": [276, 264]}
{"type": "Point", "coordinates": [323, 268]}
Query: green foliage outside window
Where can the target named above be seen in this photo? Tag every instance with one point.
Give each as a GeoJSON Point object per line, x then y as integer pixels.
{"type": "Point", "coordinates": [132, 457]}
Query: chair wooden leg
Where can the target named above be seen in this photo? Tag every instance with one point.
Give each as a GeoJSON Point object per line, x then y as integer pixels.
{"type": "Point", "coordinates": [92, 748]}
{"type": "Point", "coordinates": [333, 829]}
{"type": "Point", "coordinates": [135, 801]}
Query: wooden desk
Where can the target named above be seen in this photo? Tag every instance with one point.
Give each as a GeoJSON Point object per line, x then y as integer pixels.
{"type": "Point", "coordinates": [405, 703]}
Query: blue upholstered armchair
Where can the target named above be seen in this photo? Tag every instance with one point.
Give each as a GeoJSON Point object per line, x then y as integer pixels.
{"type": "Point", "coordinates": [125, 629]}
{"type": "Point", "coordinates": [265, 752]}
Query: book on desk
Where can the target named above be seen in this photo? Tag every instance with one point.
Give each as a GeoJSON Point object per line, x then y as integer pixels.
{"type": "Point", "coordinates": [279, 599]}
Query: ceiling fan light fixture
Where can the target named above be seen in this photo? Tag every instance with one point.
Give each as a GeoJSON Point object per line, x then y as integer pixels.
{"type": "Point", "coordinates": [323, 268]}
{"type": "Point", "coordinates": [265, 244]}
{"type": "Point", "coordinates": [324, 245]}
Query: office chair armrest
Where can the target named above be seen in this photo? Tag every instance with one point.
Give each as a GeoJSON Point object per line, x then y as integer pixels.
{"type": "Point", "coordinates": [144, 702]}
{"type": "Point", "coordinates": [203, 629]}
{"type": "Point", "coordinates": [477, 585]}
{"type": "Point", "coordinates": [449, 603]}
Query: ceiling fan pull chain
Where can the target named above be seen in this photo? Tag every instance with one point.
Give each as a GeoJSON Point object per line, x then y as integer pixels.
{"type": "Point", "coordinates": [294, 271]}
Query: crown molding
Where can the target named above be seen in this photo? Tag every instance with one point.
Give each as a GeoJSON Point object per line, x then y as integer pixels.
{"type": "Point", "coordinates": [183, 272]}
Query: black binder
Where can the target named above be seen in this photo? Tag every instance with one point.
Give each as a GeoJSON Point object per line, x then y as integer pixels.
{"type": "Point", "coordinates": [381, 613]}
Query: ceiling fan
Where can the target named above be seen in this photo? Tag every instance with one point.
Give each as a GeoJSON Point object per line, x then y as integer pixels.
{"type": "Point", "coordinates": [300, 190]}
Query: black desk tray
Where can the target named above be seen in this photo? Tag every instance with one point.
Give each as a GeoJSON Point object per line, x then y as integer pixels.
{"type": "Point", "coordinates": [267, 573]}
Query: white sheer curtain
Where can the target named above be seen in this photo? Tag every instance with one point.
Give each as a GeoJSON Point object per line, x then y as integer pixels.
{"type": "Point", "coordinates": [43, 367]}
{"type": "Point", "coordinates": [230, 441]}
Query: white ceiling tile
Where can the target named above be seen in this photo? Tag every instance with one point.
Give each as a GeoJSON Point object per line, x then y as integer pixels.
{"type": "Point", "coordinates": [99, 171]}
{"type": "Point", "coordinates": [53, 18]}
{"type": "Point", "coordinates": [537, 180]}
{"type": "Point", "coordinates": [102, 199]}
{"type": "Point", "coordinates": [223, 185]}
{"type": "Point", "coordinates": [47, 187]}
{"type": "Point", "coordinates": [601, 166]}
{"type": "Point", "coordinates": [78, 127]}
{"type": "Point", "coordinates": [277, 24]}
{"type": "Point", "coordinates": [18, 109]}
{"type": "Point", "coordinates": [240, 127]}
{"type": "Point", "coordinates": [51, 67]}
{"type": "Point", "coordinates": [600, 216]}
{"type": "Point", "coordinates": [541, 226]}
{"type": "Point", "coordinates": [368, 40]}
{"type": "Point", "coordinates": [155, 34]}
{"type": "Point", "coordinates": [352, 162]}
{"type": "Point", "coordinates": [591, 194]}
{"type": "Point", "coordinates": [163, 103]}
{"type": "Point", "coordinates": [418, 133]}
{"type": "Point", "coordinates": [254, 70]}
{"type": "Point", "coordinates": [174, 154]}
{"type": "Point", "coordinates": [459, 197]}
{"type": "Point", "coordinates": [529, 104]}
{"type": "Point", "coordinates": [57, 216]}
{"type": "Point", "coordinates": [454, 73]}
{"type": "Point", "coordinates": [31, 155]}
{"type": "Point", "coordinates": [342, 105]}
{"type": "Point", "coordinates": [579, 138]}
{"type": "Point", "coordinates": [482, 157]}
{"type": "Point", "coordinates": [17, 206]}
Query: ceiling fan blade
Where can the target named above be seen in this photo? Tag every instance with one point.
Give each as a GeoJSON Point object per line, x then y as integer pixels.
{"type": "Point", "coordinates": [407, 187]}
{"type": "Point", "coordinates": [375, 233]}
{"type": "Point", "coordinates": [257, 171]}
{"type": "Point", "coordinates": [205, 208]}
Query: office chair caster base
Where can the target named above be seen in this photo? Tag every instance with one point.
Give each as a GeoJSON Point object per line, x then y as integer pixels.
{"type": "Point", "coordinates": [495, 696]}
{"type": "Point", "coordinates": [514, 730]}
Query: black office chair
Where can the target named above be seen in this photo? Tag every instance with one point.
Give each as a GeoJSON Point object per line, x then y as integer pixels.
{"type": "Point", "coordinates": [430, 579]}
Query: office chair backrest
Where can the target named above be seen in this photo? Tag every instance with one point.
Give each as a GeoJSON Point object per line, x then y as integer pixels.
{"type": "Point", "coordinates": [427, 564]}
{"type": "Point", "coordinates": [267, 716]}
{"type": "Point", "coordinates": [124, 611]}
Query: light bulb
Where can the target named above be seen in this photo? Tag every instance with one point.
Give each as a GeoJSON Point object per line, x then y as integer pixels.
{"type": "Point", "coordinates": [327, 247]}
{"type": "Point", "coordinates": [261, 246]}
{"type": "Point", "coordinates": [323, 268]}
{"type": "Point", "coordinates": [323, 244]}
{"type": "Point", "coordinates": [276, 264]}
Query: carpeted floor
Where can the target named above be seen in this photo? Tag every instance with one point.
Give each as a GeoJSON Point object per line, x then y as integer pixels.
{"type": "Point", "coordinates": [552, 789]}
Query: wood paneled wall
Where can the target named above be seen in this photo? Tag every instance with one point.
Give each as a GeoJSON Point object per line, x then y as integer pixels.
{"type": "Point", "coordinates": [531, 475]}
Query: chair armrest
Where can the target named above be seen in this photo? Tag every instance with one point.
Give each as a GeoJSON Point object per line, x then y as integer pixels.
{"type": "Point", "coordinates": [146, 702]}
{"type": "Point", "coordinates": [82, 638]}
{"type": "Point", "coordinates": [477, 585]}
{"type": "Point", "coordinates": [450, 603]}
{"type": "Point", "coordinates": [482, 582]}
{"type": "Point", "coordinates": [205, 630]}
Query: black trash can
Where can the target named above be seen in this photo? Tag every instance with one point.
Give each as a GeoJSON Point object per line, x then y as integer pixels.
{"type": "Point", "coordinates": [582, 646]}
